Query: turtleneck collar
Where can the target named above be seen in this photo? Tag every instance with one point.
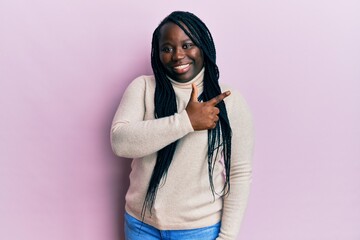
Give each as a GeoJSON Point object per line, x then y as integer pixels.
{"type": "Point", "coordinates": [198, 80]}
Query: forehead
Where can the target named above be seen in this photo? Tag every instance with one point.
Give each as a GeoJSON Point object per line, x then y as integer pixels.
{"type": "Point", "coordinates": [171, 32]}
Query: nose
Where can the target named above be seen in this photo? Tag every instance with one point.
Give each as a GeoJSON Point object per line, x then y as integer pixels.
{"type": "Point", "coordinates": [178, 54]}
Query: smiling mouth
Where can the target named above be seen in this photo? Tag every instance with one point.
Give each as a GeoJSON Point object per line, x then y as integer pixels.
{"type": "Point", "coordinates": [182, 68]}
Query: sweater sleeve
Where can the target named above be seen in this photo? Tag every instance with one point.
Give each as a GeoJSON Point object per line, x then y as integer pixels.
{"type": "Point", "coordinates": [132, 136]}
{"type": "Point", "coordinates": [235, 203]}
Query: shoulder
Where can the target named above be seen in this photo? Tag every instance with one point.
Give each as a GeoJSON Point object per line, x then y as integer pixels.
{"type": "Point", "coordinates": [236, 105]}
{"type": "Point", "coordinates": [143, 80]}
{"type": "Point", "coordinates": [235, 98]}
{"type": "Point", "coordinates": [142, 83]}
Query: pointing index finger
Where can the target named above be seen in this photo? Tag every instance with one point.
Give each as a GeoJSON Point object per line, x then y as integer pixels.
{"type": "Point", "coordinates": [214, 101]}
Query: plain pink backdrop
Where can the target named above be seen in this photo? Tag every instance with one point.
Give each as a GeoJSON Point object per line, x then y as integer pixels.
{"type": "Point", "coordinates": [65, 64]}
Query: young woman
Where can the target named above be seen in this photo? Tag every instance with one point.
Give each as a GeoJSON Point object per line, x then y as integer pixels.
{"type": "Point", "coordinates": [191, 143]}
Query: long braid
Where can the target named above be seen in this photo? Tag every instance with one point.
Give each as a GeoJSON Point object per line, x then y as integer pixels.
{"type": "Point", "coordinates": [165, 104]}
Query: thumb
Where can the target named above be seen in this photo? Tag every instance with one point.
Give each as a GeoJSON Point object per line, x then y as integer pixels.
{"type": "Point", "coordinates": [194, 93]}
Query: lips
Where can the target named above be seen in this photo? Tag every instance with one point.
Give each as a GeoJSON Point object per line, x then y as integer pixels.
{"type": "Point", "coordinates": [179, 69]}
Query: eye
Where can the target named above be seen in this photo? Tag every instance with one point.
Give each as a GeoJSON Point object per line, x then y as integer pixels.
{"type": "Point", "coordinates": [167, 49]}
{"type": "Point", "coordinates": [187, 45]}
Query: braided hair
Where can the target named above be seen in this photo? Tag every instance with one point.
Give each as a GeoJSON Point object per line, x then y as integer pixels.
{"type": "Point", "coordinates": [165, 104]}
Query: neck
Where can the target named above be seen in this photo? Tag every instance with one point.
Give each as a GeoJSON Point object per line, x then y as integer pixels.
{"type": "Point", "coordinates": [198, 80]}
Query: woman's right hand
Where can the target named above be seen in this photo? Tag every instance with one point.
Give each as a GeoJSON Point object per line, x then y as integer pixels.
{"type": "Point", "coordinates": [203, 115]}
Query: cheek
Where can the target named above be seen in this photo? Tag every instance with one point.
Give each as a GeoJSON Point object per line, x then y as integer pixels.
{"type": "Point", "coordinates": [200, 60]}
{"type": "Point", "coordinates": [164, 59]}
{"type": "Point", "coordinates": [198, 56]}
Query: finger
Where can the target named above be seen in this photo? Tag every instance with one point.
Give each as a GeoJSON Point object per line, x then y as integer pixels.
{"type": "Point", "coordinates": [216, 110]}
{"type": "Point", "coordinates": [219, 98]}
{"type": "Point", "coordinates": [194, 93]}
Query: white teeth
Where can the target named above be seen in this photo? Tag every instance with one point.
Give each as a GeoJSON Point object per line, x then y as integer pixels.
{"type": "Point", "coordinates": [181, 67]}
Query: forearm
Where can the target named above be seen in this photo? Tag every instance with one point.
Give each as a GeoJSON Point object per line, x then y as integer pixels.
{"type": "Point", "coordinates": [234, 205]}
{"type": "Point", "coordinates": [141, 138]}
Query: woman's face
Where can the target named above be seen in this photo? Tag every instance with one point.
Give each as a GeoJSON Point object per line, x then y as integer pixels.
{"type": "Point", "coordinates": [181, 58]}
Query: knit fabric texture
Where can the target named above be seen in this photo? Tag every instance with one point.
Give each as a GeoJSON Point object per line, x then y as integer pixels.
{"type": "Point", "coordinates": [184, 199]}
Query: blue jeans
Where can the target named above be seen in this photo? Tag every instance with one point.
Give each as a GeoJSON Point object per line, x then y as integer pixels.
{"type": "Point", "coordinates": [135, 230]}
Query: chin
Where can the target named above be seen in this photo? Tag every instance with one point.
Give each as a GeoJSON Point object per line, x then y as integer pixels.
{"type": "Point", "coordinates": [186, 77]}
{"type": "Point", "coordinates": [183, 79]}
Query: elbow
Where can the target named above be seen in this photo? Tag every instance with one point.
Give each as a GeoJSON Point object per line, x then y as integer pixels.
{"type": "Point", "coordinates": [115, 146]}
{"type": "Point", "coordinates": [241, 173]}
{"type": "Point", "coordinates": [121, 146]}
{"type": "Point", "coordinates": [124, 144]}
{"type": "Point", "coordinates": [117, 143]}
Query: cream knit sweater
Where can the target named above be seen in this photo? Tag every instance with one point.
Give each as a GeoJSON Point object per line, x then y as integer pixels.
{"type": "Point", "coordinates": [184, 200]}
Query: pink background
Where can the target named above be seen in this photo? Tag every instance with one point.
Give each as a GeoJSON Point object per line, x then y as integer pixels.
{"type": "Point", "coordinates": [65, 64]}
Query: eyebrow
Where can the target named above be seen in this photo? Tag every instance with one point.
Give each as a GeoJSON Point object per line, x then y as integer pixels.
{"type": "Point", "coordinates": [168, 43]}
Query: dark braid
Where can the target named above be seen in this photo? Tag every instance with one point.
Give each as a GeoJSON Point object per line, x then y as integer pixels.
{"type": "Point", "coordinates": [165, 103]}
